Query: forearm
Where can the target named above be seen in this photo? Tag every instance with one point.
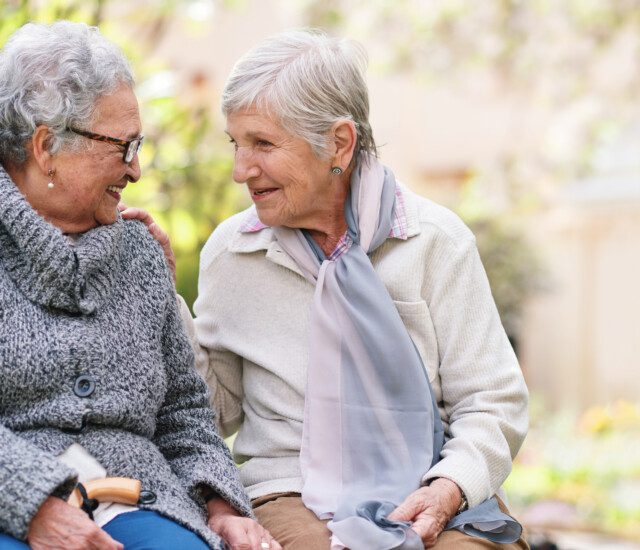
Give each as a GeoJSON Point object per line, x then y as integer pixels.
{"type": "Point", "coordinates": [482, 388]}
{"type": "Point", "coordinates": [454, 498]}
{"type": "Point", "coordinates": [479, 454]}
{"type": "Point", "coordinates": [217, 506]}
{"type": "Point", "coordinates": [488, 420]}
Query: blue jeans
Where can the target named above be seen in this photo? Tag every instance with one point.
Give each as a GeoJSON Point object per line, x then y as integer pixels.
{"type": "Point", "coordinates": [140, 530]}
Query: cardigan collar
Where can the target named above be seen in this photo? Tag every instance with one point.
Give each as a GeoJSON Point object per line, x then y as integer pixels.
{"type": "Point", "coordinates": [263, 238]}
{"type": "Point", "coordinates": [48, 269]}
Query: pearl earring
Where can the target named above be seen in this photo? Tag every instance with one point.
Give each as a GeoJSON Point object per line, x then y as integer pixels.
{"type": "Point", "coordinates": [50, 185]}
{"type": "Point", "coordinates": [336, 170]}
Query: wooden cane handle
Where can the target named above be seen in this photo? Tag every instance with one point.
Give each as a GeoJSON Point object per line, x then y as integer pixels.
{"type": "Point", "coordinates": [109, 489]}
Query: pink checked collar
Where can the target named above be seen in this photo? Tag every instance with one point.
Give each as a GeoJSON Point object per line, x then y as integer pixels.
{"type": "Point", "coordinates": [252, 224]}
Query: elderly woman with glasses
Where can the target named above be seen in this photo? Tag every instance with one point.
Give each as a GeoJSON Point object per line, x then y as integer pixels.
{"type": "Point", "coordinates": [346, 327]}
{"type": "Point", "coordinates": [97, 376]}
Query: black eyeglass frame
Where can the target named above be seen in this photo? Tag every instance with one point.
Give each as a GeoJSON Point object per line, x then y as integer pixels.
{"type": "Point", "coordinates": [131, 147]}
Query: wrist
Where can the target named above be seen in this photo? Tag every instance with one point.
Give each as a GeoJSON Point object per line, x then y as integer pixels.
{"type": "Point", "coordinates": [458, 500]}
{"type": "Point", "coordinates": [217, 506]}
{"type": "Point", "coordinates": [208, 493]}
{"type": "Point", "coordinates": [464, 505]}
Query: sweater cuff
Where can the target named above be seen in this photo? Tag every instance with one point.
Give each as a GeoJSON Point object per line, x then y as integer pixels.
{"type": "Point", "coordinates": [25, 490]}
{"type": "Point", "coordinates": [473, 483]}
{"type": "Point", "coordinates": [207, 487]}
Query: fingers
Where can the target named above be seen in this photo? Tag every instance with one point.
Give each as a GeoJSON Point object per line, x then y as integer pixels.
{"type": "Point", "coordinates": [59, 525]}
{"type": "Point", "coordinates": [274, 544]}
{"type": "Point", "coordinates": [158, 233]}
{"type": "Point", "coordinates": [236, 536]}
{"type": "Point", "coordinates": [94, 538]}
{"type": "Point", "coordinates": [401, 513]}
{"type": "Point", "coordinates": [428, 512]}
{"type": "Point", "coordinates": [133, 213]}
{"type": "Point", "coordinates": [254, 539]}
{"type": "Point", "coordinates": [427, 530]}
{"type": "Point", "coordinates": [408, 510]}
{"type": "Point", "coordinates": [243, 533]}
{"type": "Point", "coordinates": [267, 542]}
{"type": "Point", "coordinates": [102, 541]}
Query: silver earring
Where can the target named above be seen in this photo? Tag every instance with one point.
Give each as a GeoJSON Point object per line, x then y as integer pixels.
{"type": "Point", "coordinates": [336, 170]}
{"type": "Point", "coordinates": [50, 173]}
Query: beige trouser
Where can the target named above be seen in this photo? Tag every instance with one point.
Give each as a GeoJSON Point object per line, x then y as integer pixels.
{"type": "Point", "coordinates": [296, 527]}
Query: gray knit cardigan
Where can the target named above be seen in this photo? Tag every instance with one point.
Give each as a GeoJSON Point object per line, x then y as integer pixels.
{"type": "Point", "coordinates": [104, 308]}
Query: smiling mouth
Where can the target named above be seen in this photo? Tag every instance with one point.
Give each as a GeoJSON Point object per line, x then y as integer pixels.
{"type": "Point", "coordinates": [262, 194]}
{"type": "Point", "coordinates": [115, 191]}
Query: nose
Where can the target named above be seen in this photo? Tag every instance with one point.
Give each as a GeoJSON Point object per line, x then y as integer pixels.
{"type": "Point", "coordinates": [245, 166]}
{"type": "Point", "coordinates": [133, 169]}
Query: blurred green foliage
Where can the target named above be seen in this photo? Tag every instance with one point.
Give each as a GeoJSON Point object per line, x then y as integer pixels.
{"type": "Point", "coordinates": [186, 164]}
{"type": "Point", "coordinates": [589, 462]}
{"type": "Point", "coordinates": [513, 268]}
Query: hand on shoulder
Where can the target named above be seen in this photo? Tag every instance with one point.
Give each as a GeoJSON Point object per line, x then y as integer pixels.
{"type": "Point", "coordinates": [132, 213]}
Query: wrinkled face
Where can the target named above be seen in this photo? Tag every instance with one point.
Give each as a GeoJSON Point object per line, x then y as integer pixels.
{"type": "Point", "coordinates": [288, 183]}
{"type": "Point", "coordinates": [88, 183]}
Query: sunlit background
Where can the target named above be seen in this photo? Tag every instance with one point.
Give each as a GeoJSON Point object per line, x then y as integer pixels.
{"type": "Point", "coordinates": [523, 117]}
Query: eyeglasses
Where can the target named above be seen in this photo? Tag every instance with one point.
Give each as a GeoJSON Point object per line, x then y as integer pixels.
{"type": "Point", "coordinates": [131, 147]}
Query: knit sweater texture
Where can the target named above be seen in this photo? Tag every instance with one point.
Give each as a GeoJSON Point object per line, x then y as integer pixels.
{"type": "Point", "coordinates": [104, 308]}
{"type": "Point", "coordinates": [252, 335]}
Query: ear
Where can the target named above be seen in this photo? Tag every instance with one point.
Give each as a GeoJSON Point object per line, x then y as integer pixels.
{"type": "Point", "coordinates": [345, 138]}
{"type": "Point", "coordinates": [40, 144]}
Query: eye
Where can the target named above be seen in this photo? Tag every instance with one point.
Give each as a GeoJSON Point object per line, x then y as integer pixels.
{"type": "Point", "coordinates": [264, 143]}
{"type": "Point", "coordinates": [235, 145]}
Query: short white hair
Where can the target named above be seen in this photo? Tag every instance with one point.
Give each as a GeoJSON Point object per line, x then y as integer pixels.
{"type": "Point", "coordinates": [53, 75]}
{"type": "Point", "coordinates": [308, 81]}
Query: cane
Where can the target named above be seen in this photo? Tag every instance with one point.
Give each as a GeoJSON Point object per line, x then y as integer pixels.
{"type": "Point", "coordinates": [124, 490]}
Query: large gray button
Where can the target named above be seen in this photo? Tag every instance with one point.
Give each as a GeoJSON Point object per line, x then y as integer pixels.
{"type": "Point", "coordinates": [84, 386]}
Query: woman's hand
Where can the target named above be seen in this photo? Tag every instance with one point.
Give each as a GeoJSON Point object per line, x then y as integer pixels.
{"type": "Point", "coordinates": [59, 525]}
{"type": "Point", "coordinates": [132, 213]}
{"type": "Point", "coordinates": [240, 533]}
{"type": "Point", "coordinates": [430, 508]}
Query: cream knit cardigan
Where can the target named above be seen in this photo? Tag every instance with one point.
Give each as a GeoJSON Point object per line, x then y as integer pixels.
{"type": "Point", "coordinates": [251, 338]}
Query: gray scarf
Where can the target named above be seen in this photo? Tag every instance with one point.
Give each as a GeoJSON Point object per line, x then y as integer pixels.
{"type": "Point", "coordinates": [371, 428]}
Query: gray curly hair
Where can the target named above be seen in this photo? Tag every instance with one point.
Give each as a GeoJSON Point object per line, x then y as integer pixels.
{"type": "Point", "coordinates": [53, 75]}
{"type": "Point", "coordinates": [308, 81]}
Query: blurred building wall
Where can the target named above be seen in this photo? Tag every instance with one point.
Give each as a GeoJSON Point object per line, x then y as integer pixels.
{"type": "Point", "coordinates": [581, 340]}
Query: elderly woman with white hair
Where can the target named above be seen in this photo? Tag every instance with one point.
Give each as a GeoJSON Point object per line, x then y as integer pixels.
{"type": "Point", "coordinates": [97, 376]}
{"type": "Point", "coordinates": [346, 327]}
